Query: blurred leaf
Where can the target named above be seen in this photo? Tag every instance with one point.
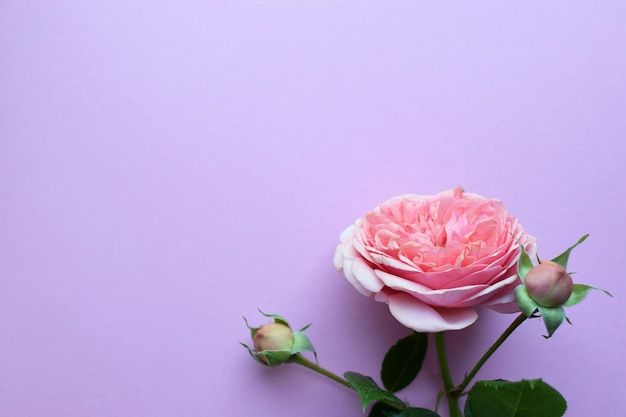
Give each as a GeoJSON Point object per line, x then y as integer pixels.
{"type": "Point", "coordinates": [412, 412]}
{"type": "Point", "coordinates": [380, 410]}
{"type": "Point", "coordinates": [403, 361]}
{"type": "Point", "coordinates": [563, 258]}
{"type": "Point", "coordinates": [368, 390]}
{"type": "Point", "coordinates": [525, 398]}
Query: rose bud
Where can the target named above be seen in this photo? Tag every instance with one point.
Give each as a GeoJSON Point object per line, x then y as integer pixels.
{"type": "Point", "coordinates": [274, 340]}
{"type": "Point", "coordinates": [549, 284]}
{"type": "Point", "coordinates": [275, 343]}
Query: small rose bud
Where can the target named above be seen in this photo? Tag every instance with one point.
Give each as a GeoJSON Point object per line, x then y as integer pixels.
{"type": "Point", "coordinates": [549, 284]}
{"type": "Point", "coordinates": [275, 343]}
{"type": "Point", "coordinates": [273, 337]}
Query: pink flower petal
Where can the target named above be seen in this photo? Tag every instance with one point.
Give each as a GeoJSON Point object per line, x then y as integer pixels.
{"type": "Point", "coordinates": [435, 258]}
{"type": "Point", "coordinates": [437, 298]}
{"type": "Point", "coordinates": [421, 317]}
{"type": "Point", "coordinates": [365, 275]}
{"type": "Point", "coordinates": [347, 272]}
{"type": "Point", "coordinates": [503, 289]}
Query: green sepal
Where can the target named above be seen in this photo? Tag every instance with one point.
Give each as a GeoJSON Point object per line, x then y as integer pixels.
{"type": "Point", "coordinates": [277, 318]}
{"type": "Point", "coordinates": [301, 343]}
{"type": "Point", "coordinates": [524, 264]}
{"type": "Point", "coordinates": [254, 356]}
{"type": "Point", "coordinates": [563, 258]}
{"type": "Point", "coordinates": [525, 398]}
{"type": "Point", "coordinates": [552, 318]}
{"type": "Point", "coordinates": [526, 304]}
{"type": "Point", "coordinates": [580, 292]}
{"type": "Point", "coordinates": [368, 390]}
{"type": "Point", "coordinates": [305, 327]}
{"type": "Point", "coordinates": [403, 361]}
{"type": "Point", "coordinates": [274, 357]}
{"type": "Point", "coordinates": [253, 330]}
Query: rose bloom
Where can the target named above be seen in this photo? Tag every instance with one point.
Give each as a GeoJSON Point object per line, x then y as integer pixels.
{"type": "Point", "coordinates": [435, 259]}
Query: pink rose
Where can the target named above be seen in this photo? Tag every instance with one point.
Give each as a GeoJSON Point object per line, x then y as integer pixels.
{"type": "Point", "coordinates": [435, 259]}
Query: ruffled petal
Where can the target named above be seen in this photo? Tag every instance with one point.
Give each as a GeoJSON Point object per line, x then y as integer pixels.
{"type": "Point", "coordinates": [502, 292]}
{"type": "Point", "coordinates": [438, 298]}
{"type": "Point", "coordinates": [365, 275]}
{"type": "Point", "coordinates": [421, 317]}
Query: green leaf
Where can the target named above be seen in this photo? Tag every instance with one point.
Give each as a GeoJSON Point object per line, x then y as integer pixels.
{"type": "Point", "coordinates": [403, 361]}
{"type": "Point", "coordinates": [552, 318]}
{"type": "Point", "coordinates": [411, 412]}
{"type": "Point", "coordinates": [580, 292]}
{"type": "Point", "coordinates": [380, 410]}
{"type": "Point", "coordinates": [524, 264]}
{"type": "Point", "coordinates": [563, 258]}
{"type": "Point", "coordinates": [525, 398]}
{"type": "Point", "coordinates": [368, 390]}
{"type": "Point", "coordinates": [525, 301]}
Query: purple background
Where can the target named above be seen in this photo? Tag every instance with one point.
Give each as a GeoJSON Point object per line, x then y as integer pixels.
{"type": "Point", "coordinates": [165, 169]}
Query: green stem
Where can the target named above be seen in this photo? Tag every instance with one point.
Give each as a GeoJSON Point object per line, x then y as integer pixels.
{"type": "Point", "coordinates": [453, 403]}
{"type": "Point", "coordinates": [301, 360]}
{"type": "Point", "coordinates": [458, 390]}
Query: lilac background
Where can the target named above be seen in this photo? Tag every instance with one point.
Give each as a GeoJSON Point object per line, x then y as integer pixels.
{"type": "Point", "coordinates": [167, 168]}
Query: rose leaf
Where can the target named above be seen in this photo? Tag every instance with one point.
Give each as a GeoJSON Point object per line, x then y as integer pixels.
{"type": "Point", "coordinates": [403, 361]}
{"type": "Point", "coordinates": [368, 390]}
{"type": "Point", "coordinates": [525, 398]}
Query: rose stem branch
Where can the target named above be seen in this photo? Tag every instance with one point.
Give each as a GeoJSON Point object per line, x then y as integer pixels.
{"type": "Point", "coordinates": [453, 403]}
{"type": "Point", "coordinates": [458, 390]}
{"type": "Point", "coordinates": [301, 360]}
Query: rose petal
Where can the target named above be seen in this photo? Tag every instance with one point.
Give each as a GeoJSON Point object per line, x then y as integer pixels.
{"type": "Point", "coordinates": [493, 292]}
{"type": "Point", "coordinates": [438, 298]}
{"type": "Point", "coordinates": [421, 317]}
{"type": "Point", "coordinates": [366, 276]}
{"type": "Point", "coordinates": [435, 258]}
{"type": "Point", "coordinates": [345, 264]}
{"type": "Point", "coordinates": [347, 234]}
{"type": "Point", "coordinates": [338, 258]}
{"type": "Point", "coordinates": [506, 308]}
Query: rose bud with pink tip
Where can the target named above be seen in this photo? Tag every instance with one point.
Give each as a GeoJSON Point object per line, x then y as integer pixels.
{"type": "Point", "coordinates": [275, 338]}
{"type": "Point", "coordinates": [549, 284]}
